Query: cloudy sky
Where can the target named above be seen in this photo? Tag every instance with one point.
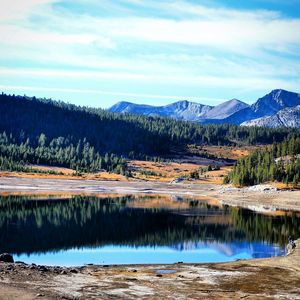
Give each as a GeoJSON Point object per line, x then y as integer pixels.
{"type": "Point", "coordinates": [98, 52]}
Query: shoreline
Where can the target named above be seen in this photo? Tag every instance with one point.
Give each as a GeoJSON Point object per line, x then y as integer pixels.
{"type": "Point", "coordinates": [265, 278]}
{"type": "Point", "coordinates": [260, 200]}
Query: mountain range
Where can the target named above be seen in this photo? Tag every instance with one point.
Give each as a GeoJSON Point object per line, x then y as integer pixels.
{"type": "Point", "coordinates": [278, 108]}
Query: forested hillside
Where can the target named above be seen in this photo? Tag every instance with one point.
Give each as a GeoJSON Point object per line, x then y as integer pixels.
{"type": "Point", "coordinates": [98, 134]}
{"type": "Point", "coordinates": [60, 152]}
{"type": "Point", "coordinates": [279, 162]}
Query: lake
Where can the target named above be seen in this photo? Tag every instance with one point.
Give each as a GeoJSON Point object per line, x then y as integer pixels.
{"type": "Point", "coordinates": [142, 229]}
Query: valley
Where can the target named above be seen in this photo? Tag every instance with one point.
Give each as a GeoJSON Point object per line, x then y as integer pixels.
{"type": "Point", "coordinates": [183, 207]}
{"type": "Point", "coordinates": [149, 149]}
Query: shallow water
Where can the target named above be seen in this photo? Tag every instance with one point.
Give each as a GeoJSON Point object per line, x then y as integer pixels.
{"type": "Point", "coordinates": [137, 230]}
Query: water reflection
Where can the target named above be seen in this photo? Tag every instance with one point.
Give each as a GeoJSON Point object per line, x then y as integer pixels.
{"type": "Point", "coordinates": [126, 229]}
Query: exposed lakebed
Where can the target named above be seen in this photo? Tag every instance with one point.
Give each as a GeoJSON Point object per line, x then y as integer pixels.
{"type": "Point", "coordinates": [140, 229]}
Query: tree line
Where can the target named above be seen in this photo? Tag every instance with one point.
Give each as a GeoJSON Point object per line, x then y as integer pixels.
{"type": "Point", "coordinates": [63, 152]}
{"type": "Point", "coordinates": [280, 162]}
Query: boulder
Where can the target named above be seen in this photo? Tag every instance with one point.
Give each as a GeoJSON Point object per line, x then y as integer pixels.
{"type": "Point", "coordinates": [5, 257]}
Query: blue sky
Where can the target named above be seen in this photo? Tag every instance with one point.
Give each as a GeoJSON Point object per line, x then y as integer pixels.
{"type": "Point", "coordinates": [99, 52]}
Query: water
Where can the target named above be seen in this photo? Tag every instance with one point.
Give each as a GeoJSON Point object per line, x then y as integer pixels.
{"type": "Point", "coordinates": [137, 230]}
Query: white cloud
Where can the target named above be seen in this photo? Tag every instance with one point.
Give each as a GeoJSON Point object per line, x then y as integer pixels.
{"type": "Point", "coordinates": [102, 92]}
{"type": "Point", "coordinates": [11, 10]}
{"type": "Point", "coordinates": [232, 30]}
{"type": "Point", "coordinates": [235, 81]}
{"type": "Point", "coordinates": [182, 43]}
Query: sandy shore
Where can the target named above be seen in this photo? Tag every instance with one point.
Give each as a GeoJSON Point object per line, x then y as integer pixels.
{"type": "Point", "coordinates": [259, 200]}
{"type": "Point", "coordinates": [273, 278]}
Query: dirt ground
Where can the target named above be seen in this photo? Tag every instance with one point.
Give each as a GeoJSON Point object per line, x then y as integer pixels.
{"type": "Point", "coordinates": [273, 278]}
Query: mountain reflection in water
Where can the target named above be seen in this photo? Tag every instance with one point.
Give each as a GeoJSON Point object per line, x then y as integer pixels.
{"type": "Point", "coordinates": [126, 229]}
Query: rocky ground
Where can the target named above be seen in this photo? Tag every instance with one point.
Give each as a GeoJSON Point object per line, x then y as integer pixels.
{"type": "Point", "coordinates": [273, 278]}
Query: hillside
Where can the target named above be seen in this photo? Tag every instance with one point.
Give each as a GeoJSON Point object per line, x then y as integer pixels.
{"type": "Point", "coordinates": [279, 162]}
{"type": "Point", "coordinates": [43, 131]}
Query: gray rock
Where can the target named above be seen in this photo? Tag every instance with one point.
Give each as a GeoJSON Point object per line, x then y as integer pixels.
{"type": "Point", "coordinates": [43, 269]}
{"type": "Point", "coordinates": [6, 257]}
{"type": "Point", "coordinates": [74, 271]}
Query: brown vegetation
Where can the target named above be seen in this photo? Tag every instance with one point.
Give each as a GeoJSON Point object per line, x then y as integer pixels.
{"type": "Point", "coordinates": [227, 152]}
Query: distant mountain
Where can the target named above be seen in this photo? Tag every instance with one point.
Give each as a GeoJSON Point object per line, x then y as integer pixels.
{"type": "Point", "coordinates": [182, 110]}
{"type": "Point", "coordinates": [225, 109]}
{"type": "Point", "coordinates": [275, 101]}
{"type": "Point", "coordinates": [231, 112]}
{"type": "Point", "coordinates": [265, 106]}
{"type": "Point", "coordinates": [288, 117]}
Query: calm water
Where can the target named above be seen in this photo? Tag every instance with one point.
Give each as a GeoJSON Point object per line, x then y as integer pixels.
{"type": "Point", "coordinates": [136, 230]}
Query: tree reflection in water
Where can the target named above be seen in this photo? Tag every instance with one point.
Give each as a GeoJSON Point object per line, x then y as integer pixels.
{"type": "Point", "coordinates": [30, 225]}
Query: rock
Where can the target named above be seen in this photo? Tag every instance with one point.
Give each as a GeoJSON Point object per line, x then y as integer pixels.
{"type": "Point", "coordinates": [63, 272]}
{"type": "Point", "coordinates": [40, 295]}
{"type": "Point", "coordinates": [73, 271]}
{"type": "Point", "coordinates": [290, 248]}
{"type": "Point", "coordinates": [42, 268]}
{"type": "Point", "coordinates": [262, 188]}
{"type": "Point", "coordinates": [5, 257]}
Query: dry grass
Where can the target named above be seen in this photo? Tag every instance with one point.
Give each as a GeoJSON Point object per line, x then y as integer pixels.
{"type": "Point", "coordinates": [214, 177]}
{"type": "Point", "coordinates": [65, 171]}
{"type": "Point", "coordinates": [141, 170]}
{"type": "Point", "coordinates": [224, 151]}
{"type": "Point", "coordinates": [167, 172]}
{"type": "Point", "coordinates": [66, 174]}
{"type": "Point", "coordinates": [162, 171]}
